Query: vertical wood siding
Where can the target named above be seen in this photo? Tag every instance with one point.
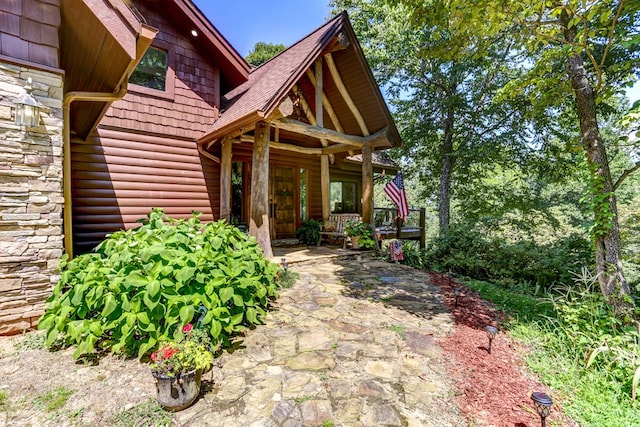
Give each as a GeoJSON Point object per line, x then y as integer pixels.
{"type": "Point", "coordinates": [119, 177]}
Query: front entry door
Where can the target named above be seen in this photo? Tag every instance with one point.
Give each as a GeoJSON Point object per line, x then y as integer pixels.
{"type": "Point", "coordinates": [282, 202]}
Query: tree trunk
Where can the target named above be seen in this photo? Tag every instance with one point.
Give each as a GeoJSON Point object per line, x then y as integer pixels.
{"type": "Point", "coordinates": [444, 201]}
{"type": "Point", "coordinates": [259, 220]}
{"type": "Point", "coordinates": [607, 234]}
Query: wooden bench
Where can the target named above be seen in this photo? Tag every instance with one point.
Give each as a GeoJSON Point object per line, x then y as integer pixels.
{"type": "Point", "coordinates": [338, 233]}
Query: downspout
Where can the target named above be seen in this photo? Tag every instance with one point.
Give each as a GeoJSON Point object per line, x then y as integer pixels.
{"type": "Point", "coordinates": [207, 154]}
{"type": "Point", "coordinates": [66, 152]}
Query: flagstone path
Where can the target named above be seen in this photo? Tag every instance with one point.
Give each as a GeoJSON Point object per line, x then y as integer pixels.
{"type": "Point", "coordinates": [351, 344]}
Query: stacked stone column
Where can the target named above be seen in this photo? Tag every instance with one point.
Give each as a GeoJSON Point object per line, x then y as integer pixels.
{"type": "Point", "coordinates": [31, 198]}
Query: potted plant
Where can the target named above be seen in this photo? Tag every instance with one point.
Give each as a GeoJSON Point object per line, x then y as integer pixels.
{"type": "Point", "coordinates": [360, 234]}
{"type": "Point", "coordinates": [309, 232]}
{"type": "Point", "coordinates": [178, 365]}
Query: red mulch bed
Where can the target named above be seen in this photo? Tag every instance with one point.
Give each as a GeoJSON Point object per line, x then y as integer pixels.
{"type": "Point", "coordinates": [493, 389]}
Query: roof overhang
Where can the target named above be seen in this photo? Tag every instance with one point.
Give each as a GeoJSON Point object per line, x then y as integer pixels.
{"type": "Point", "coordinates": [101, 43]}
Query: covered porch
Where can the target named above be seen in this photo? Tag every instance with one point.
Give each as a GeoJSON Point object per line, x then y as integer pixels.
{"type": "Point", "coordinates": [293, 129]}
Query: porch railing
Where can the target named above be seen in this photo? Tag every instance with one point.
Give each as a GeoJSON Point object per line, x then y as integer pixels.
{"type": "Point", "coordinates": [388, 226]}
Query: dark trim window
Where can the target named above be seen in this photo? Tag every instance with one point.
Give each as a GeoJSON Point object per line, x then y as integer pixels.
{"type": "Point", "coordinates": [151, 71]}
{"type": "Point", "coordinates": [154, 73]}
{"type": "Point", "coordinates": [344, 197]}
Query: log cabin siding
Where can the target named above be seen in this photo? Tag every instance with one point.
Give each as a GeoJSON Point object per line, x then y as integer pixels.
{"type": "Point", "coordinates": [118, 177]}
{"type": "Point", "coordinates": [189, 107]}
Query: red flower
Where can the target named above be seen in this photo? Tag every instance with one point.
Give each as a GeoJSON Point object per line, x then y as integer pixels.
{"type": "Point", "coordinates": [168, 352]}
{"type": "Point", "coordinates": [187, 328]}
{"type": "Point", "coordinates": [154, 356]}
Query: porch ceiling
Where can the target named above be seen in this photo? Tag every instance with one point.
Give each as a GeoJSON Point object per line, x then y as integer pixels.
{"type": "Point", "coordinates": [101, 43]}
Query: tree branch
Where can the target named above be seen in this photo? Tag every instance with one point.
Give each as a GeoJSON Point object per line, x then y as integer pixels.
{"type": "Point", "coordinates": [625, 174]}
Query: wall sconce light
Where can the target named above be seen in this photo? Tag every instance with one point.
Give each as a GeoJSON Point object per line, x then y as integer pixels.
{"type": "Point", "coordinates": [27, 108]}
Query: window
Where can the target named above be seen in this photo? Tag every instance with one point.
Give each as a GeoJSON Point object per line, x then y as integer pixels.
{"type": "Point", "coordinates": [344, 197]}
{"type": "Point", "coordinates": [303, 195]}
{"type": "Point", "coordinates": [237, 193]}
{"type": "Point", "coordinates": [151, 72]}
{"type": "Point", "coordinates": [154, 75]}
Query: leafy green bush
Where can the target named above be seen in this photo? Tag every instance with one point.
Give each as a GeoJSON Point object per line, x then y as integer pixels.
{"type": "Point", "coordinates": [467, 251]}
{"type": "Point", "coordinates": [142, 285]}
{"type": "Point", "coordinates": [309, 232]}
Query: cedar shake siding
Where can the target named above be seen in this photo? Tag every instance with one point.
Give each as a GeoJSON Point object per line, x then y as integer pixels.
{"type": "Point", "coordinates": [29, 31]}
{"type": "Point", "coordinates": [191, 102]}
{"type": "Point", "coordinates": [118, 177]}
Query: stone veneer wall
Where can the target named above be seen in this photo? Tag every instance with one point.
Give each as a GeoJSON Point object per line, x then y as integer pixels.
{"type": "Point", "coordinates": [31, 198]}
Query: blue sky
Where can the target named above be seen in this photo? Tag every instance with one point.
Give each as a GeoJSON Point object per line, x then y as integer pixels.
{"type": "Point", "coordinates": [246, 22]}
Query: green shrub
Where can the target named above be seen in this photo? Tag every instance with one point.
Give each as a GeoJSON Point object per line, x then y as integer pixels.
{"type": "Point", "coordinates": [309, 232]}
{"type": "Point", "coordinates": [142, 285]}
{"type": "Point", "coordinates": [469, 252]}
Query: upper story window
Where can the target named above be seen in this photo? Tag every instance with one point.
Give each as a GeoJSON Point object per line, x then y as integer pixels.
{"type": "Point", "coordinates": [154, 75]}
{"type": "Point", "coordinates": [151, 72]}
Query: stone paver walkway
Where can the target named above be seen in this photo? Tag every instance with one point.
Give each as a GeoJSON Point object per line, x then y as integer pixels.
{"type": "Point", "coordinates": [351, 344]}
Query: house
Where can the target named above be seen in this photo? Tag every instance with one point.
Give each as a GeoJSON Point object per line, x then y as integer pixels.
{"type": "Point", "coordinates": [145, 104]}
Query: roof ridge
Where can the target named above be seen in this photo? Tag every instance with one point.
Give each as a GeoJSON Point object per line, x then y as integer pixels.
{"type": "Point", "coordinates": [327, 23]}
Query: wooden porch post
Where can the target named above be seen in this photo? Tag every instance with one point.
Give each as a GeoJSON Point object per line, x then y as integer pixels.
{"type": "Point", "coordinates": [259, 221]}
{"type": "Point", "coordinates": [225, 181]}
{"type": "Point", "coordinates": [367, 185]}
{"type": "Point", "coordinates": [325, 182]}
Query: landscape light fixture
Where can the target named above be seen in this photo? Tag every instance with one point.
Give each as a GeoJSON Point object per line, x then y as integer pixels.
{"type": "Point", "coordinates": [491, 333]}
{"type": "Point", "coordinates": [457, 291]}
{"type": "Point", "coordinates": [27, 108]}
{"type": "Point", "coordinates": [543, 403]}
{"type": "Point", "coordinates": [283, 263]}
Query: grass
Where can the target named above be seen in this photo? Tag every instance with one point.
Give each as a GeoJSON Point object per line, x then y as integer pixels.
{"type": "Point", "coordinates": [30, 341]}
{"type": "Point", "coordinates": [288, 278]}
{"type": "Point", "coordinates": [52, 400]}
{"type": "Point", "coordinates": [399, 330]}
{"type": "Point", "coordinates": [3, 397]}
{"type": "Point", "coordinates": [148, 413]}
{"type": "Point", "coordinates": [595, 396]}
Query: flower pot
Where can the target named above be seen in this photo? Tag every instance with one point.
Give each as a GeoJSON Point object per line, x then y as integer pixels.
{"type": "Point", "coordinates": [179, 392]}
{"type": "Point", "coordinates": [354, 242]}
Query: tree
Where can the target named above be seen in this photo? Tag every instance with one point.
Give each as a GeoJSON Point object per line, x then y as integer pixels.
{"type": "Point", "coordinates": [262, 52]}
{"type": "Point", "coordinates": [585, 49]}
{"type": "Point", "coordinates": [455, 130]}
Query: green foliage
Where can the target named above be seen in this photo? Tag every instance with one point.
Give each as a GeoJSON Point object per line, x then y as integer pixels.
{"type": "Point", "coordinates": [52, 400]}
{"type": "Point", "coordinates": [141, 285]}
{"type": "Point", "coordinates": [193, 351]}
{"type": "Point", "coordinates": [30, 341]}
{"type": "Point", "coordinates": [148, 413]}
{"type": "Point", "coordinates": [467, 251]}
{"type": "Point", "coordinates": [595, 332]}
{"type": "Point", "coordinates": [262, 52]}
{"type": "Point", "coordinates": [287, 278]}
{"type": "Point", "coordinates": [578, 347]}
{"type": "Point", "coordinates": [353, 228]}
{"type": "Point", "coordinates": [309, 232]}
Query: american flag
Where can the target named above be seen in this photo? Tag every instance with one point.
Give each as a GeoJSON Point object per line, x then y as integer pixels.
{"type": "Point", "coordinates": [395, 191]}
{"type": "Point", "coordinates": [395, 251]}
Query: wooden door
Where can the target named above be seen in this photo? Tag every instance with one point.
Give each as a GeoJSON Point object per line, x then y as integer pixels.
{"type": "Point", "coordinates": [282, 202]}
